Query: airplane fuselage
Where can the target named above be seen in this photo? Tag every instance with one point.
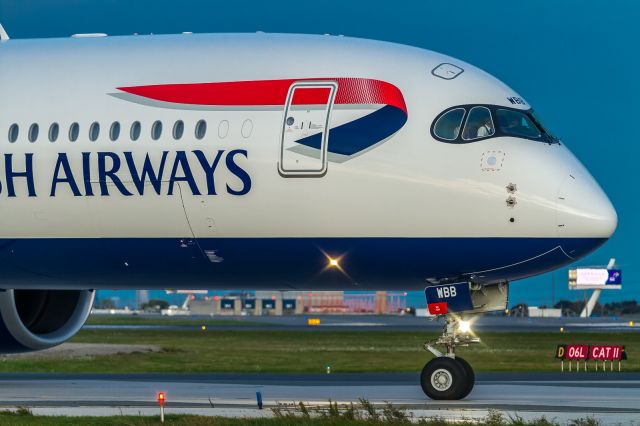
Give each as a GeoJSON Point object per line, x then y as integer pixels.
{"type": "Point", "coordinates": [257, 159]}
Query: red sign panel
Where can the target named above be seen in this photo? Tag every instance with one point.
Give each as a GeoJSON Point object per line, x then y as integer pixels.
{"type": "Point", "coordinates": [438, 308]}
{"type": "Point", "coordinates": [606, 352]}
{"type": "Point", "coordinates": [591, 352]}
{"type": "Point", "coordinates": [572, 352]}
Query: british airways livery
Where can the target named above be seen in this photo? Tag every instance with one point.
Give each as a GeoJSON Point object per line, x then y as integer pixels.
{"type": "Point", "coordinates": [275, 162]}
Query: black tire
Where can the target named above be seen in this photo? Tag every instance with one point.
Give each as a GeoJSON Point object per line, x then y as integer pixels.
{"type": "Point", "coordinates": [443, 378]}
{"type": "Point", "coordinates": [471, 377]}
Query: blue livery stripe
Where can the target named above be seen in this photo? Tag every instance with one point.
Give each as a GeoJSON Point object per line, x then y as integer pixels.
{"type": "Point", "coordinates": [358, 135]}
{"type": "Point", "coordinates": [271, 263]}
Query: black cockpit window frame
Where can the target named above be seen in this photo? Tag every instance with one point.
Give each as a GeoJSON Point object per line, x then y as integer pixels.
{"type": "Point", "coordinates": [545, 137]}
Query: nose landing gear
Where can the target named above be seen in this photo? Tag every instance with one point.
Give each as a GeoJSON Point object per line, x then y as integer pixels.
{"type": "Point", "coordinates": [447, 376]}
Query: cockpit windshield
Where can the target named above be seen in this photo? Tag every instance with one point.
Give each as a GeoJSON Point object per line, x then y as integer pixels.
{"type": "Point", "coordinates": [470, 123]}
{"type": "Point", "coordinates": [515, 123]}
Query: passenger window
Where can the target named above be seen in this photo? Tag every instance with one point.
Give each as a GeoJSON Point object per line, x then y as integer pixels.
{"type": "Point", "coordinates": [156, 130]}
{"type": "Point", "coordinates": [94, 131]}
{"type": "Point", "coordinates": [54, 130]}
{"type": "Point", "coordinates": [201, 129]}
{"type": "Point", "coordinates": [14, 130]}
{"type": "Point", "coordinates": [514, 123]}
{"type": "Point", "coordinates": [74, 132]}
{"type": "Point", "coordinates": [136, 128]}
{"type": "Point", "coordinates": [114, 131]}
{"type": "Point", "coordinates": [33, 132]}
{"type": "Point", "coordinates": [448, 125]}
{"type": "Point", "coordinates": [178, 129]}
{"type": "Point", "coordinates": [479, 124]}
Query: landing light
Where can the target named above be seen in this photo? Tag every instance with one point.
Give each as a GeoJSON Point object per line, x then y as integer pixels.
{"type": "Point", "coordinates": [464, 326]}
{"type": "Point", "coordinates": [334, 263]}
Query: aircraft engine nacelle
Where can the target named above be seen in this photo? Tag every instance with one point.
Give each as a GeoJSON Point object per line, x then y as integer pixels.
{"type": "Point", "coordinates": [32, 320]}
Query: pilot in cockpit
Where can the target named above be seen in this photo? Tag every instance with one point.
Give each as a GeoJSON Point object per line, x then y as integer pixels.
{"type": "Point", "coordinates": [485, 128]}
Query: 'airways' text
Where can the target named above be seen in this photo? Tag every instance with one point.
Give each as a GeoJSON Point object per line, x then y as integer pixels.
{"type": "Point", "coordinates": [103, 173]}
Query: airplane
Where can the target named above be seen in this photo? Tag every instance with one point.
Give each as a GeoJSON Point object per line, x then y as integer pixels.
{"type": "Point", "coordinates": [275, 161]}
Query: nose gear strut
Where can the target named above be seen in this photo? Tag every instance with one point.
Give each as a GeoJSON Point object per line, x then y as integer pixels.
{"type": "Point", "coordinates": [450, 338]}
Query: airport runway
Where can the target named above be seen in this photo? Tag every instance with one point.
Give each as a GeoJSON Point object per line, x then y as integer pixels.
{"type": "Point", "coordinates": [610, 397]}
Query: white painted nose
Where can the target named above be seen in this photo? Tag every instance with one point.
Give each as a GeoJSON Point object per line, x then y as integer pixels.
{"type": "Point", "coordinates": [583, 209]}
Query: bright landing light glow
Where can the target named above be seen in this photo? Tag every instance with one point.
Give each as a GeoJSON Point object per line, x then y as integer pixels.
{"type": "Point", "coordinates": [464, 326]}
{"type": "Point", "coordinates": [334, 263]}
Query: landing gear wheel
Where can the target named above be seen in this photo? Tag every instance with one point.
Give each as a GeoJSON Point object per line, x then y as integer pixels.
{"type": "Point", "coordinates": [444, 378]}
{"type": "Point", "coordinates": [471, 377]}
{"type": "Point", "coordinates": [447, 376]}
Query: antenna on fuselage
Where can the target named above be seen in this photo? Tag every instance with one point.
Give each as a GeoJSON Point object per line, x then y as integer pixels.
{"type": "Point", "coordinates": [3, 34]}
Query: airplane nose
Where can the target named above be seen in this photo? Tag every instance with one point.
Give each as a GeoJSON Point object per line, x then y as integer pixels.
{"type": "Point", "coordinates": [583, 209]}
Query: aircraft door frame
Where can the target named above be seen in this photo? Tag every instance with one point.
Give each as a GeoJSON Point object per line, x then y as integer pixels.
{"type": "Point", "coordinates": [298, 160]}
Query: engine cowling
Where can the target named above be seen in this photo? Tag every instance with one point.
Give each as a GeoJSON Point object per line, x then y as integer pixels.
{"type": "Point", "coordinates": [32, 320]}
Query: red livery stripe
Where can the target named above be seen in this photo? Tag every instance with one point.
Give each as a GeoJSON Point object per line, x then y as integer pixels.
{"type": "Point", "coordinates": [272, 92]}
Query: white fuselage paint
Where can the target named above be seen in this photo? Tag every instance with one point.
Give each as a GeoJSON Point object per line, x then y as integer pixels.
{"type": "Point", "coordinates": [410, 185]}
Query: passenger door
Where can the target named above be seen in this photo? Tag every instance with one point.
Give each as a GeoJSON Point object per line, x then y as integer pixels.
{"type": "Point", "coordinates": [305, 129]}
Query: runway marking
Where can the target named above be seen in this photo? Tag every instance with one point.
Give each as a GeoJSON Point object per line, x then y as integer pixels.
{"type": "Point", "coordinates": [603, 325]}
{"type": "Point", "coordinates": [353, 324]}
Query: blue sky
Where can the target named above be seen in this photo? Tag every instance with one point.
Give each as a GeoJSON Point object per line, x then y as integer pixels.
{"type": "Point", "coordinates": [576, 62]}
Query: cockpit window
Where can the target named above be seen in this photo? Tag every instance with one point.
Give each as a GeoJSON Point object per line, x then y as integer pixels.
{"type": "Point", "coordinates": [479, 124]}
{"type": "Point", "coordinates": [448, 125]}
{"type": "Point", "coordinates": [470, 123]}
{"type": "Point", "coordinates": [514, 123]}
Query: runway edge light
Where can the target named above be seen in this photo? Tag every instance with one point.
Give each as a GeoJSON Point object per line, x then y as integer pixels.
{"type": "Point", "coordinates": [161, 400]}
